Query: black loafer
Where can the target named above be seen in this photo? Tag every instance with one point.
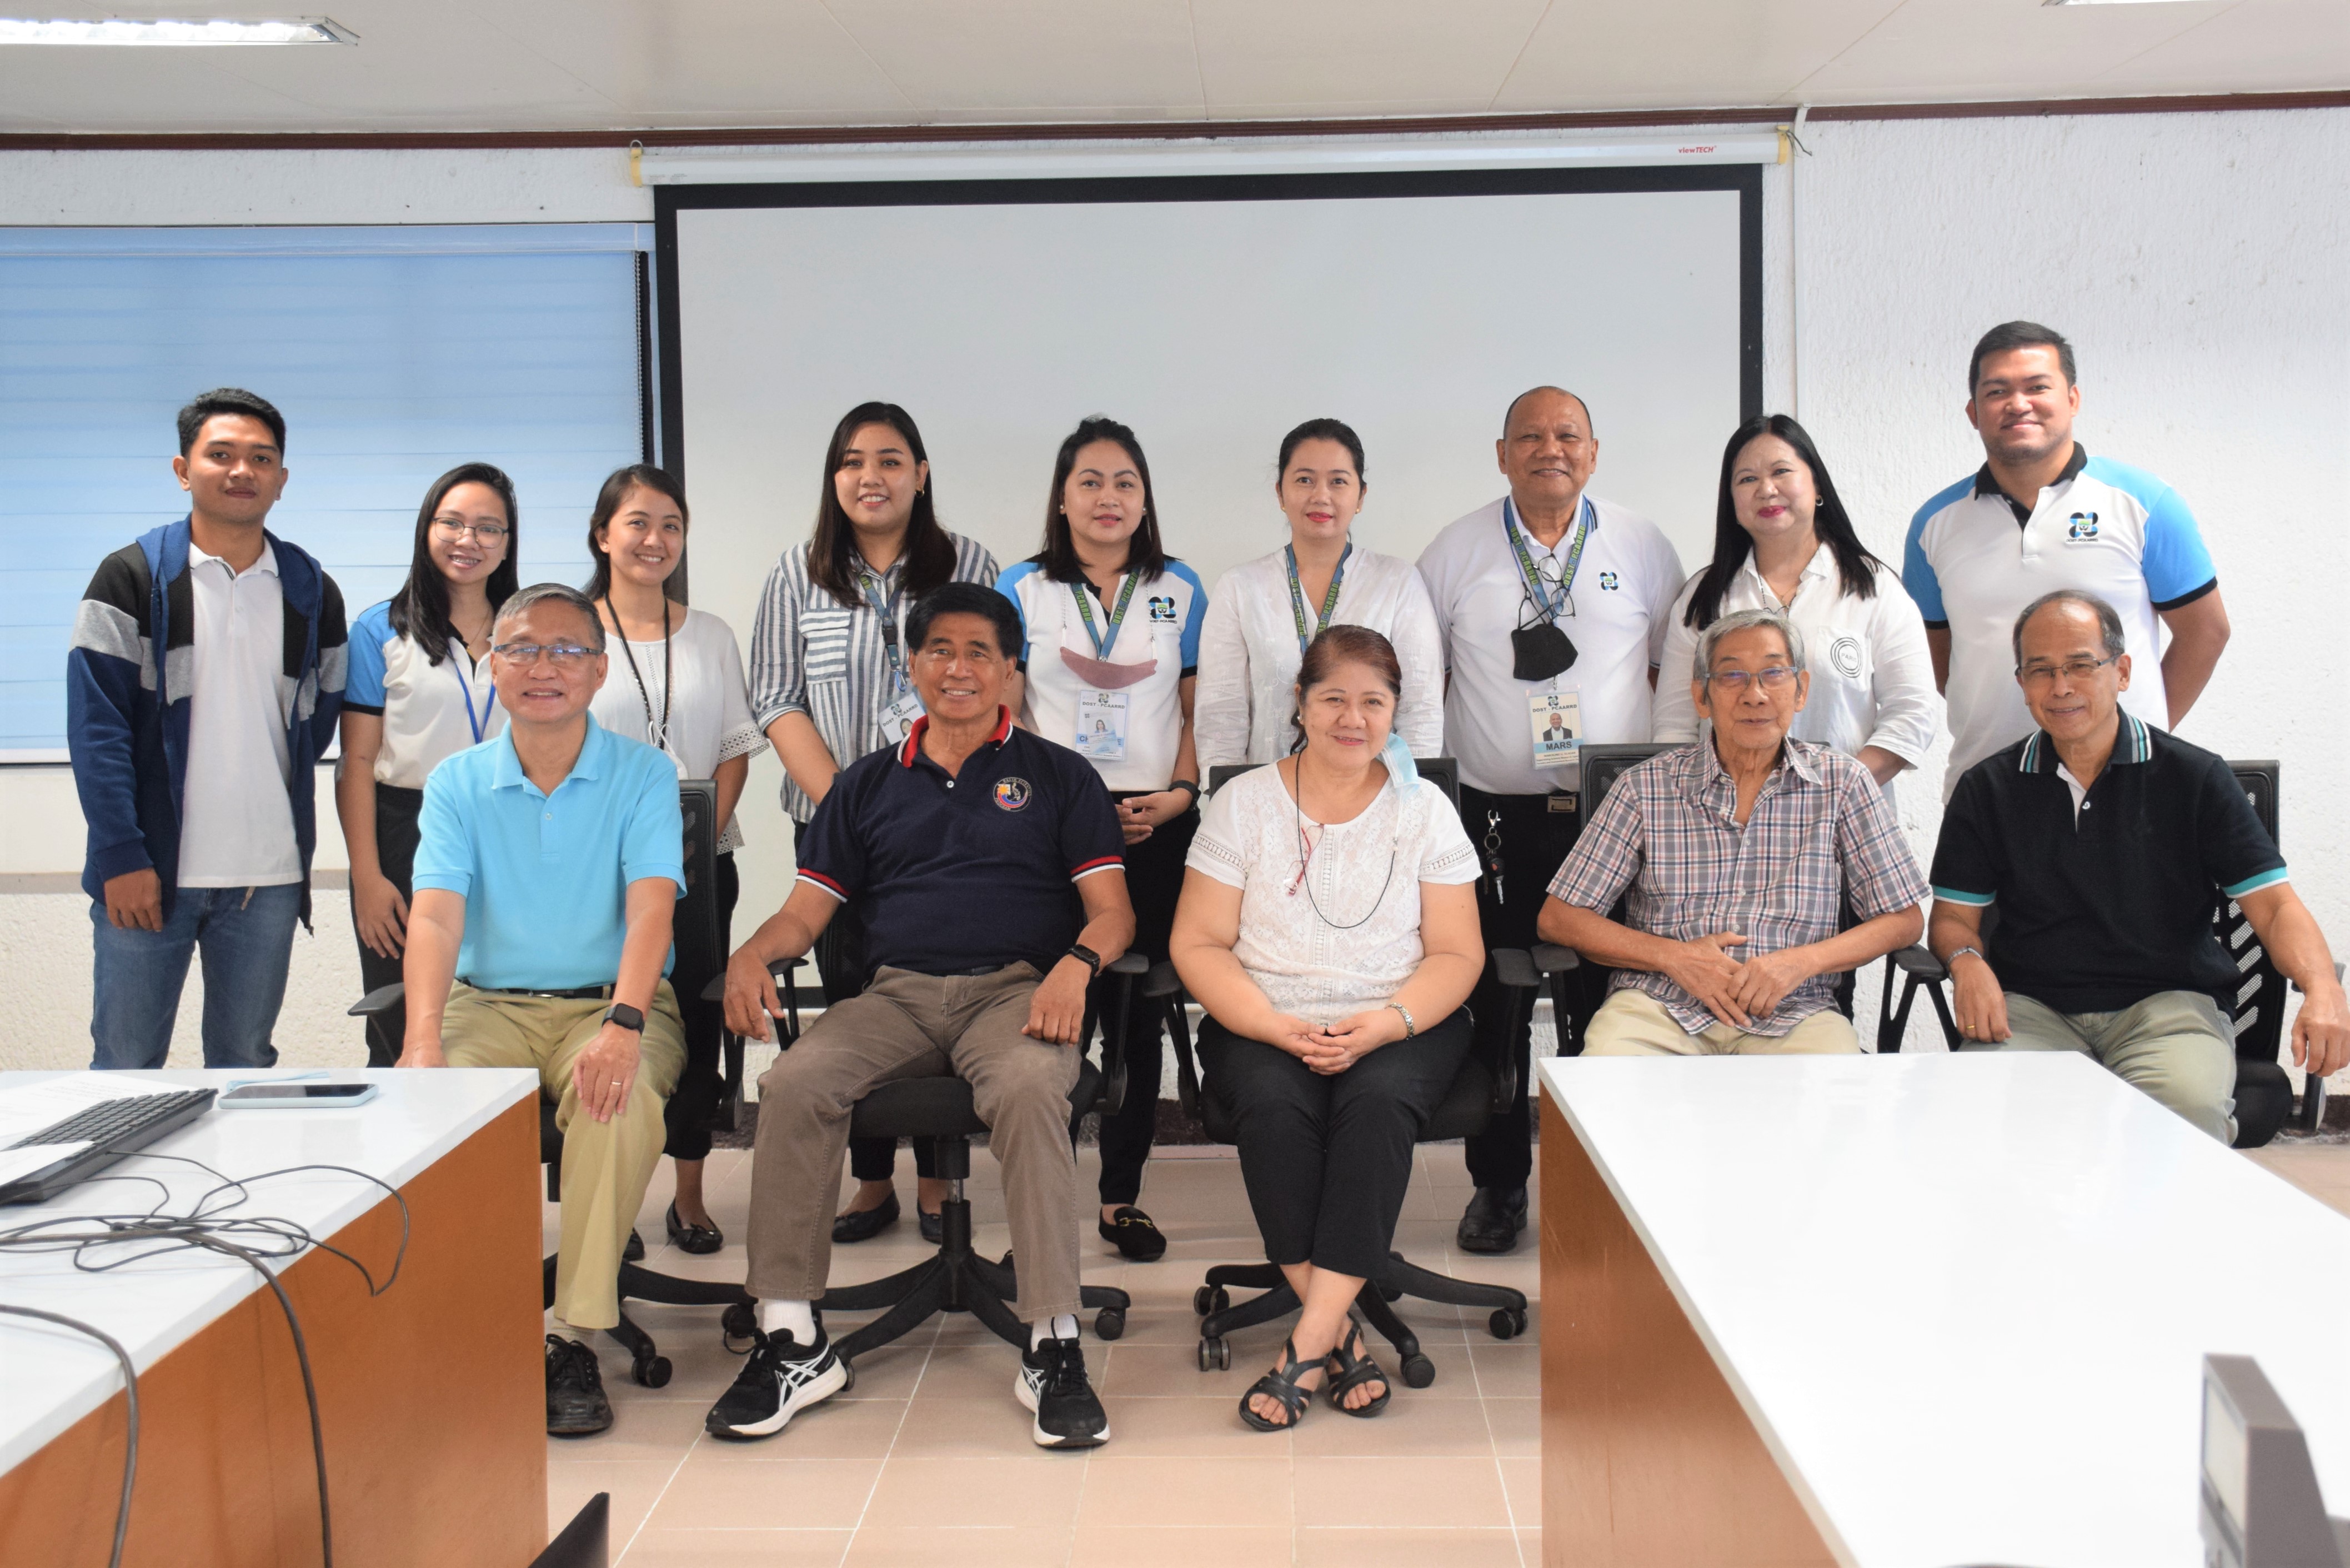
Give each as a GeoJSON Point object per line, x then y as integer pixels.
{"type": "Point", "coordinates": [934, 1226]}
{"type": "Point", "coordinates": [634, 1252]}
{"type": "Point", "coordinates": [694, 1237]}
{"type": "Point", "coordinates": [864, 1224]}
{"type": "Point", "coordinates": [575, 1403]}
{"type": "Point", "coordinates": [1133, 1234]}
{"type": "Point", "coordinates": [1491, 1221]}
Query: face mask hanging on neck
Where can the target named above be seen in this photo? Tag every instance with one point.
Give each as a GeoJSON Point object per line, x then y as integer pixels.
{"type": "Point", "coordinates": [1396, 755]}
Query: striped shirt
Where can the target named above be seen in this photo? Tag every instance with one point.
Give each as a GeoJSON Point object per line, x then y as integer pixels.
{"type": "Point", "coordinates": [812, 654]}
{"type": "Point", "coordinates": [1821, 836]}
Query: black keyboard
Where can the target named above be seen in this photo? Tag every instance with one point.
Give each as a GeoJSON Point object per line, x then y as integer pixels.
{"type": "Point", "coordinates": [112, 1129]}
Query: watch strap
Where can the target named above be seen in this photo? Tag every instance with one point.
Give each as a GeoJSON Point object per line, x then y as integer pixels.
{"type": "Point", "coordinates": [1086, 956]}
{"type": "Point", "coordinates": [627, 1017]}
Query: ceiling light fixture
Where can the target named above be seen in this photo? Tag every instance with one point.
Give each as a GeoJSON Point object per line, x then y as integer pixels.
{"type": "Point", "coordinates": [119, 30]}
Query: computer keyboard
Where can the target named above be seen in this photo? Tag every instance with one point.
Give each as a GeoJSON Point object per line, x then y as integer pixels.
{"type": "Point", "coordinates": [112, 1129]}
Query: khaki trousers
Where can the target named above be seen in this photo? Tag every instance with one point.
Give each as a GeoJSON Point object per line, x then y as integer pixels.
{"type": "Point", "coordinates": [2173, 1045]}
{"type": "Point", "coordinates": [908, 1025]}
{"type": "Point", "coordinates": [605, 1165]}
{"type": "Point", "coordinates": [1634, 1023]}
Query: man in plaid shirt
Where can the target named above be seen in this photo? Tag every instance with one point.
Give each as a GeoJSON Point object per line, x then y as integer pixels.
{"type": "Point", "coordinates": [1738, 853]}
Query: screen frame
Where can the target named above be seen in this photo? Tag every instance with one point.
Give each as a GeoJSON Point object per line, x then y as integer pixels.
{"type": "Point", "coordinates": [668, 201]}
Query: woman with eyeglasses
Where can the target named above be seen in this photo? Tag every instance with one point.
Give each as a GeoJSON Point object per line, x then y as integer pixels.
{"type": "Point", "coordinates": [1112, 624]}
{"type": "Point", "coordinates": [674, 681]}
{"type": "Point", "coordinates": [419, 691]}
{"type": "Point", "coordinates": [1265, 612]}
{"type": "Point", "coordinates": [1328, 929]}
{"type": "Point", "coordinates": [1783, 543]}
{"type": "Point", "coordinates": [829, 682]}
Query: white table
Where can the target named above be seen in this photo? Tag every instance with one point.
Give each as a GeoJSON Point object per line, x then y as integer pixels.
{"type": "Point", "coordinates": [1962, 1300]}
{"type": "Point", "coordinates": [54, 1382]}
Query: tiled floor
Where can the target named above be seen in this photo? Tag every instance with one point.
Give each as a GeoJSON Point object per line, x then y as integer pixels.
{"type": "Point", "coordinates": [927, 1459]}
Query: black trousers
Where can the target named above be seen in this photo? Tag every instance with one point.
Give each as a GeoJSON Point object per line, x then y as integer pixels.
{"type": "Point", "coordinates": [1534, 841]}
{"type": "Point", "coordinates": [695, 1099]}
{"type": "Point", "coordinates": [1154, 880]}
{"type": "Point", "coordinates": [395, 836]}
{"type": "Point", "coordinates": [1326, 1159]}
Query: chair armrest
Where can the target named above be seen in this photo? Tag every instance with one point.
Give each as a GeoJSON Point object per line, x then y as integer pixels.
{"type": "Point", "coordinates": [1920, 963]}
{"type": "Point", "coordinates": [716, 990]}
{"type": "Point", "coordinates": [382, 999]}
{"type": "Point", "coordinates": [1161, 980]}
{"type": "Point", "coordinates": [1129, 962]}
{"type": "Point", "coordinates": [2293, 984]}
{"type": "Point", "coordinates": [1549, 957]}
{"type": "Point", "coordinates": [1516, 970]}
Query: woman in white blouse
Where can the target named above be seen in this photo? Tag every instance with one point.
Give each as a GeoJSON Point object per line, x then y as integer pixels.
{"type": "Point", "coordinates": [419, 691]}
{"type": "Point", "coordinates": [675, 681]}
{"type": "Point", "coordinates": [1782, 542]}
{"type": "Point", "coordinates": [1328, 929]}
{"type": "Point", "coordinates": [1265, 612]}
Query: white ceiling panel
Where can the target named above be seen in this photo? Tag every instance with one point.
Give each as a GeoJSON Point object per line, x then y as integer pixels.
{"type": "Point", "coordinates": [1312, 57]}
{"type": "Point", "coordinates": [1117, 58]}
{"type": "Point", "coordinates": [1605, 55]}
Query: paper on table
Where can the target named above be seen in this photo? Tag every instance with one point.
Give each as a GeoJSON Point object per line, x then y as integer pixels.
{"type": "Point", "coordinates": [26, 1111]}
{"type": "Point", "coordinates": [16, 1162]}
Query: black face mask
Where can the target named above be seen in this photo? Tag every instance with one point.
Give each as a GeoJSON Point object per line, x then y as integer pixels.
{"type": "Point", "coordinates": [1540, 651]}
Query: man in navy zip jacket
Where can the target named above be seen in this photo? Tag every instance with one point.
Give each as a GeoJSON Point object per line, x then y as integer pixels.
{"type": "Point", "coordinates": [203, 682]}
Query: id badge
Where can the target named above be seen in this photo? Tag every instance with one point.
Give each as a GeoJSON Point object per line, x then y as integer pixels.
{"type": "Point", "coordinates": [898, 716]}
{"type": "Point", "coordinates": [1101, 725]}
{"type": "Point", "coordinates": [1555, 721]}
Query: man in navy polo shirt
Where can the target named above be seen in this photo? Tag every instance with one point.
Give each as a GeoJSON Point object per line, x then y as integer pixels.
{"type": "Point", "coordinates": [2099, 838]}
{"type": "Point", "coordinates": [959, 846]}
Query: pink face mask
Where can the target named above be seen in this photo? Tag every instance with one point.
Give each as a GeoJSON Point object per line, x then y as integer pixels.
{"type": "Point", "coordinates": [1103, 676]}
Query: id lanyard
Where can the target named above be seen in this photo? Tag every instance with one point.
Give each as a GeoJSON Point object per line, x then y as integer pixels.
{"type": "Point", "coordinates": [1542, 601]}
{"type": "Point", "coordinates": [1297, 596]}
{"type": "Point", "coordinates": [1105, 640]}
{"type": "Point", "coordinates": [872, 586]}
{"type": "Point", "coordinates": [459, 659]}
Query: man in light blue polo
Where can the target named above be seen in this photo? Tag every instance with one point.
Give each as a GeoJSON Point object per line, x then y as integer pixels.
{"type": "Point", "coordinates": [551, 860]}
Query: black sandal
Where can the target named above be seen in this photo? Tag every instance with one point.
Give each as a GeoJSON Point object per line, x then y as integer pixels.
{"type": "Point", "coordinates": [1282, 1385]}
{"type": "Point", "coordinates": [1349, 1371]}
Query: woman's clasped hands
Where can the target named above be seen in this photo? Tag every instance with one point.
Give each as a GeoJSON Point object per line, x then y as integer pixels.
{"type": "Point", "coordinates": [1331, 1049]}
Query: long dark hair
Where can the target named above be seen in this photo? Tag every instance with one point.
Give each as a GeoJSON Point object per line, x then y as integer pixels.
{"type": "Point", "coordinates": [1732, 544]}
{"type": "Point", "coordinates": [929, 555]}
{"type": "Point", "coordinates": [419, 610]}
{"type": "Point", "coordinates": [1145, 555]}
{"type": "Point", "coordinates": [607, 505]}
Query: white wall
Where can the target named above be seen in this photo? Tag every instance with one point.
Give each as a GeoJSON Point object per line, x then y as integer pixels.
{"type": "Point", "coordinates": [2195, 259]}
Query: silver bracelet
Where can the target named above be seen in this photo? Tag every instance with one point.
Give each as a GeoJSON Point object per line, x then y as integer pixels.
{"type": "Point", "coordinates": [1958, 953]}
{"type": "Point", "coordinates": [1410, 1028]}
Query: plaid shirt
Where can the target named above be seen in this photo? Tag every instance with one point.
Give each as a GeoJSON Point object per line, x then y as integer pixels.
{"type": "Point", "coordinates": [1821, 836]}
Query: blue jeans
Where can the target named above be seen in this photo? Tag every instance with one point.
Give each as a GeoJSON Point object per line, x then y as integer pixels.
{"type": "Point", "coordinates": [248, 938]}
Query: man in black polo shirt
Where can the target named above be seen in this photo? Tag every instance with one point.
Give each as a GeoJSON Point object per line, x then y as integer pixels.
{"type": "Point", "coordinates": [2100, 838]}
{"type": "Point", "coordinates": [960, 847]}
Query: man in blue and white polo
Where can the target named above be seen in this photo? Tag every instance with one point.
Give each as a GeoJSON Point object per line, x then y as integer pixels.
{"type": "Point", "coordinates": [2042, 514]}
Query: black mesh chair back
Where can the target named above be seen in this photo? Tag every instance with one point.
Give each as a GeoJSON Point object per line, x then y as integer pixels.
{"type": "Point", "coordinates": [2263, 1093]}
{"type": "Point", "coordinates": [701, 948]}
{"type": "Point", "coordinates": [1442, 772]}
{"type": "Point", "coordinates": [1603, 765]}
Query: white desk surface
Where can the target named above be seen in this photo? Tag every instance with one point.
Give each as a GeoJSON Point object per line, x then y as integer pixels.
{"type": "Point", "coordinates": [1966, 1299]}
{"type": "Point", "coordinates": [51, 1376]}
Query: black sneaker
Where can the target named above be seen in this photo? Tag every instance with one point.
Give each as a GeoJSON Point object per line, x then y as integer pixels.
{"type": "Point", "coordinates": [576, 1404]}
{"type": "Point", "coordinates": [1052, 1383]}
{"type": "Point", "coordinates": [781, 1378]}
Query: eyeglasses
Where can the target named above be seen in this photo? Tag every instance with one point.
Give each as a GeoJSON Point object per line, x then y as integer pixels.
{"type": "Point", "coordinates": [562, 655]}
{"type": "Point", "coordinates": [2041, 674]}
{"type": "Point", "coordinates": [1735, 680]}
{"type": "Point", "coordinates": [486, 533]}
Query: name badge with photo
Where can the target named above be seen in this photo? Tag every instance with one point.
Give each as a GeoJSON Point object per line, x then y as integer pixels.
{"type": "Point", "coordinates": [898, 716]}
{"type": "Point", "coordinates": [1555, 718]}
{"type": "Point", "coordinates": [1101, 725]}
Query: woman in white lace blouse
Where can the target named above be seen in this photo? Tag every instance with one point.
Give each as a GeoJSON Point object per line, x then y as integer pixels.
{"type": "Point", "coordinates": [1328, 928]}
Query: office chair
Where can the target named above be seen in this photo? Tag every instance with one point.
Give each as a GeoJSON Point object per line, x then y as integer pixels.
{"type": "Point", "coordinates": [957, 1279]}
{"type": "Point", "coordinates": [1480, 1091]}
{"type": "Point", "coordinates": [702, 966]}
{"type": "Point", "coordinates": [2263, 1093]}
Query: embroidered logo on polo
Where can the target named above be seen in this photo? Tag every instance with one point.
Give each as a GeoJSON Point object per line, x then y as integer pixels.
{"type": "Point", "coordinates": [1845, 654]}
{"type": "Point", "coordinates": [2081, 525]}
{"type": "Point", "coordinates": [1012, 794]}
{"type": "Point", "coordinates": [1162, 608]}
{"type": "Point", "coordinates": [1609, 582]}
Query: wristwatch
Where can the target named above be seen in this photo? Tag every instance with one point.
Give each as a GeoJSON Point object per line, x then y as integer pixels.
{"type": "Point", "coordinates": [1190, 786]}
{"type": "Point", "coordinates": [1086, 956]}
{"type": "Point", "coordinates": [627, 1017]}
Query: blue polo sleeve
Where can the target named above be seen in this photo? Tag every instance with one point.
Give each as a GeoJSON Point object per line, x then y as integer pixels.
{"type": "Point", "coordinates": [1966, 857]}
{"type": "Point", "coordinates": [832, 848]}
{"type": "Point", "coordinates": [1192, 617]}
{"type": "Point", "coordinates": [363, 687]}
{"type": "Point", "coordinates": [1091, 839]}
{"type": "Point", "coordinates": [1916, 572]}
{"type": "Point", "coordinates": [446, 857]}
{"type": "Point", "coordinates": [2178, 566]}
{"type": "Point", "coordinates": [1008, 584]}
{"type": "Point", "coordinates": [652, 836]}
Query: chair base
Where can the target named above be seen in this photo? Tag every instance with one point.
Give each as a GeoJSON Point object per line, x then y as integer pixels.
{"type": "Point", "coordinates": [647, 1365]}
{"type": "Point", "coordinates": [1401, 1277]}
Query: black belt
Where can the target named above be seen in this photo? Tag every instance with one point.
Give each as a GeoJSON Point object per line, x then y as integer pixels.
{"type": "Point", "coordinates": [577, 993]}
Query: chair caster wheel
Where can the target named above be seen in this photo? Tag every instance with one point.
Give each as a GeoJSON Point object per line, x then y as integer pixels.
{"type": "Point", "coordinates": [1418, 1371]}
{"type": "Point", "coordinates": [738, 1322]}
{"type": "Point", "coordinates": [651, 1371]}
{"type": "Point", "coordinates": [1108, 1324]}
{"type": "Point", "coordinates": [1507, 1322]}
{"type": "Point", "coordinates": [1209, 1299]}
{"type": "Point", "coordinates": [849, 1369]}
{"type": "Point", "coordinates": [1215, 1355]}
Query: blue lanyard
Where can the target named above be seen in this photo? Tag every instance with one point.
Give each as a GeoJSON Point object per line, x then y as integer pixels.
{"type": "Point", "coordinates": [1550, 608]}
{"type": "Point", "coordinates": [459, 657]}
{"type": "Point", "coordinates": [1298, 596]}
{"type": "Point", "coordinates": [884, 611]}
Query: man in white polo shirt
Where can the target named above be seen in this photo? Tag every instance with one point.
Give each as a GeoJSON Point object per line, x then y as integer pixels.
{"type": "Point", "coordinates": [2042, 514]}
{"type": "Point", "coordinates": [1553, 606]}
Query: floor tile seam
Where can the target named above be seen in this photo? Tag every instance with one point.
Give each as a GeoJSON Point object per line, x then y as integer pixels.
{"type": "Point", "coordinates": [675, 1470]}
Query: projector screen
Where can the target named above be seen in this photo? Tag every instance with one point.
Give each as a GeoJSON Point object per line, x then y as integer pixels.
{"type": "Point", "coordinates": [1212, 315]}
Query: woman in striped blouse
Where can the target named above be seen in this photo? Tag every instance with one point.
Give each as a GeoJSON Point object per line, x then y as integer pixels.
{"type": "Point", "coordinates": [829, 683]}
